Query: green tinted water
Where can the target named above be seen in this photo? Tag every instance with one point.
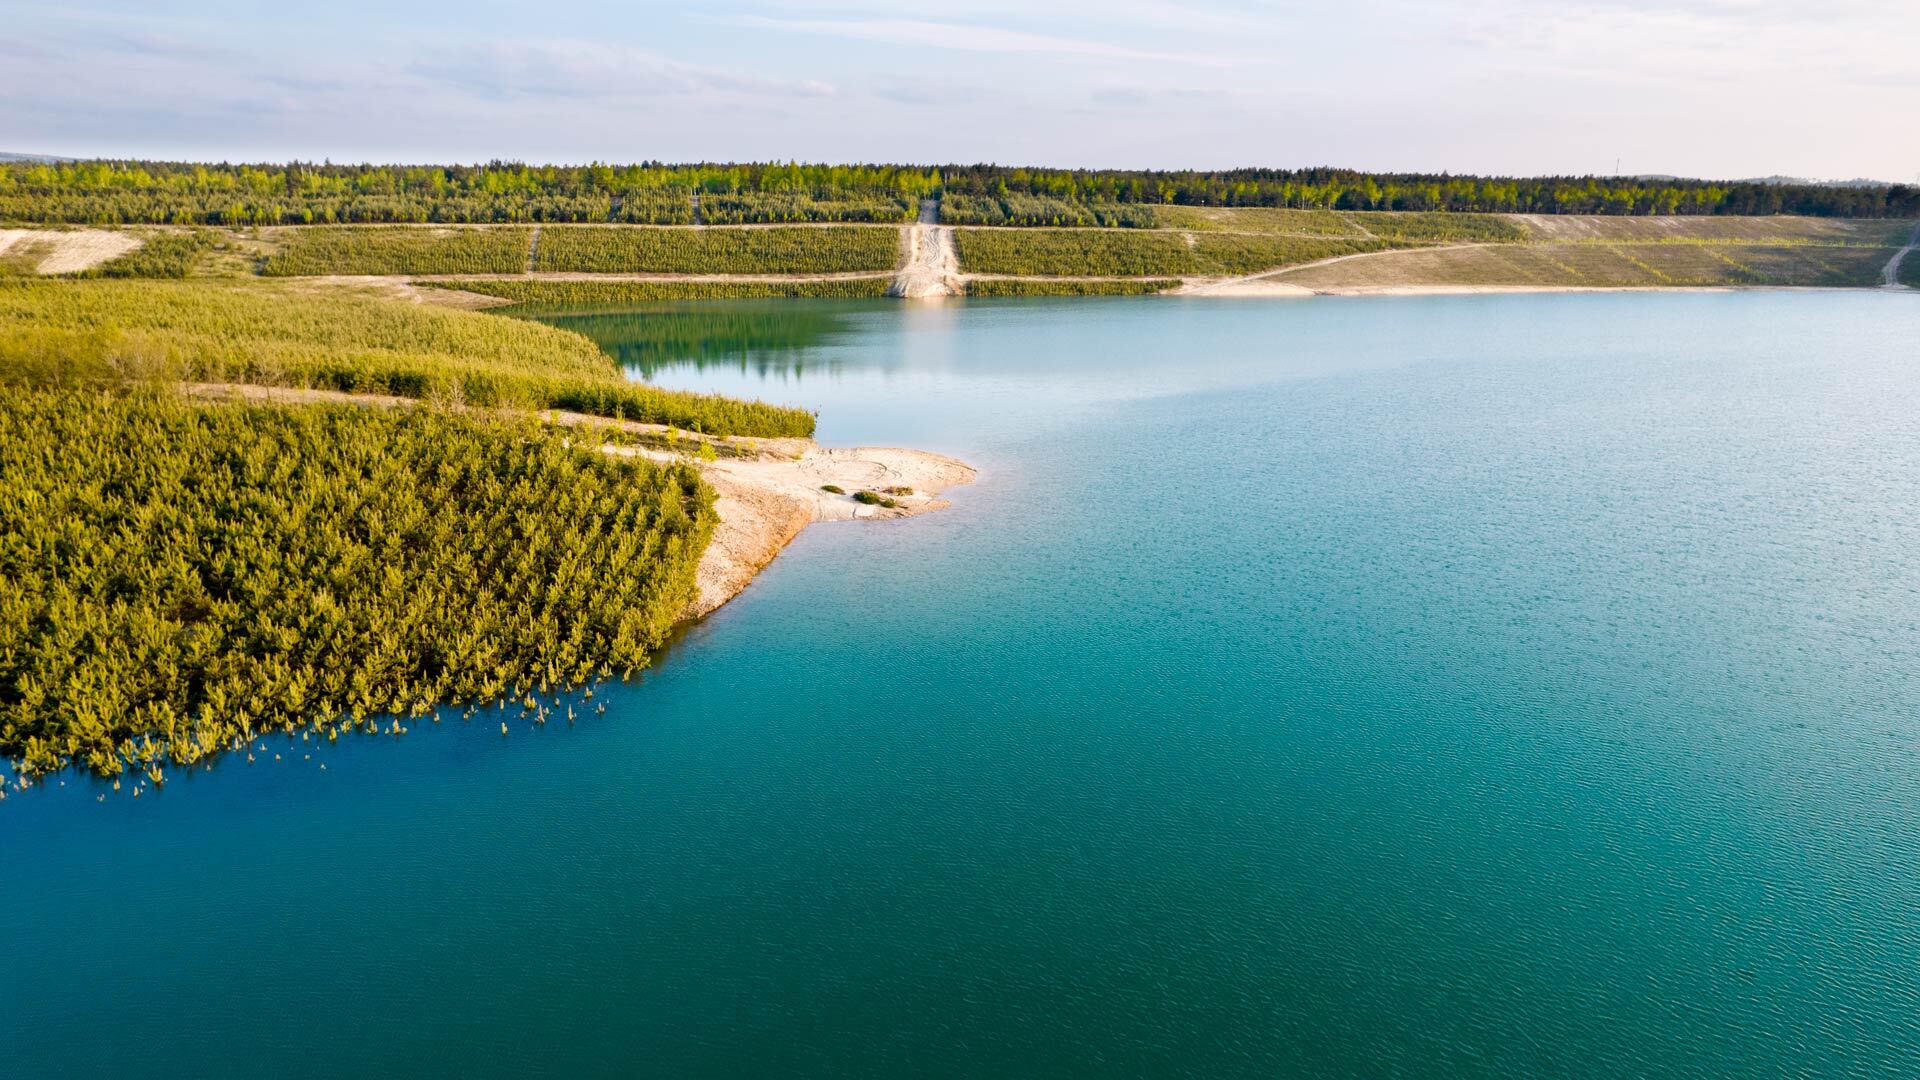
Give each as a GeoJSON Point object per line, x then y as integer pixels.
{"type": "Point", "coordinates": [1387, 687]}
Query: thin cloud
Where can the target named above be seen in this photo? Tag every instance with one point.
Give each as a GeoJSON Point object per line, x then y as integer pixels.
{"type": "Point", "coordinates": [958, 36]}
{"type": "Point", "coordinates": [586, 70]}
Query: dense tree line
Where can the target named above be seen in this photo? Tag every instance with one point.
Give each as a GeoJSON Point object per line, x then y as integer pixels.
{"type": "Point", "coordinates": [127, 192]}
{"type": "Point", "coordinates": [1342, 189]}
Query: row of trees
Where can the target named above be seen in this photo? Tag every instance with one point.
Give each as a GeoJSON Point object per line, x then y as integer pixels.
{"type": "Point", "coordinates": [1343, 189]}
{"type": "Point", "coordinates": [108, 192]}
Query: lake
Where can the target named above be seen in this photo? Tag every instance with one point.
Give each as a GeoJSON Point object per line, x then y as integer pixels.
{"type": "Point", "coordinates": [1398, 686]}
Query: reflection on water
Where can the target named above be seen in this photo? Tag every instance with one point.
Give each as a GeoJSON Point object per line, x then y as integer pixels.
{"type": "Point", "coordinates": [770, 338]}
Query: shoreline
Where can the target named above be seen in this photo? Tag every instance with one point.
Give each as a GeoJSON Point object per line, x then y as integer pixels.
{"type": "Point", "coordinates": [764, 501]}
{"type": "Point", "coordinates": [766, 490]}
{"type": "Point", "coordinates": [1280, 290]}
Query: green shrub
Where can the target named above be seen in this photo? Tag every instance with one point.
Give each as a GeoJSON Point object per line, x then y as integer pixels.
{"type": "Point", "coordinates": [277, 336]}
{"type": "Point", "coordinates": [833, 489]}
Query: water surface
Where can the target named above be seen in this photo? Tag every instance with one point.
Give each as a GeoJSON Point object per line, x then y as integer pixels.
{"type": "Point", "coordinates": [1466, 686]}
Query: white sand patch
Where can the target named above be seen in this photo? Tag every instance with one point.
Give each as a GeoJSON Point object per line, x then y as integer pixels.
{"type": "Point", "coordinates": [67, 251]}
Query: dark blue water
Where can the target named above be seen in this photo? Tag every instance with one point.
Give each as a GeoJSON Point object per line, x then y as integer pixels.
{"type": "Point", "coordinates": [1477, 686]}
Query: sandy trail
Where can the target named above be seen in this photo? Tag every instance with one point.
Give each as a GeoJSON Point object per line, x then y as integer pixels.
{"type": "Point", "coordinates": [1266, 283]}
{"type": "Point", "coordinates": [767, 490]}
{"type": "Point", "coordinates": [931, 267]}
{"type": "Point", "coordinates": [67, 251]}
{"type": "Point", "coordinates": [1890, 277]}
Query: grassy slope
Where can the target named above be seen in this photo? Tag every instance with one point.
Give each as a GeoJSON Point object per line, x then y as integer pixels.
{"type": "Point", "coordinates": [1601, 265]}
{"type": "Point", "coordinates": [282, 335]}
{"type": "Point", "coordinates": [629, 250]}
{"type": "Point", "coordinates": [577, 291]}
{"type": "Point", "coordinates": [1188, 242]}
{"type": "Point", "coordinates": [177, 576]}
{"type": "Point", "coordinates": [397, 249]}
{"type": "Point", "coordinates": [1137, 252]}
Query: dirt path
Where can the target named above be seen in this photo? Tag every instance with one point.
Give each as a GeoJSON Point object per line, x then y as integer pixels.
{"type": "Point", "coordinates": [533, 250]}
{"type": "Point", "coordinates": [1267, 283]}
{"type": "Point", "coordinates": [930, 267]}
{"type": "Point", "coordinates": [1890, 277]}
{"type": "Point", "coordinates": [767, 490]}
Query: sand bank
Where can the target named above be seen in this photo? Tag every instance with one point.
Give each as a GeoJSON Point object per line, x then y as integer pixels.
{"type": "Point", "coordinates": [767, 490]}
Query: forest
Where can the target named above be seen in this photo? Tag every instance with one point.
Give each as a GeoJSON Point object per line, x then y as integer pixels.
{"type": "Point", "coordinates": [301, 193]}
{"type": "Point", "coordinates": [178, 577]}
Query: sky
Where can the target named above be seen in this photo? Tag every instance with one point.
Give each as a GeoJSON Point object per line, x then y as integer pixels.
{"type": "Point", "coordinates": [1714, 88]}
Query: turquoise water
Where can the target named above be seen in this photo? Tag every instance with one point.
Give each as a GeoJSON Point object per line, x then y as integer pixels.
{"type": "Point", "coordinates": [1476, 686]}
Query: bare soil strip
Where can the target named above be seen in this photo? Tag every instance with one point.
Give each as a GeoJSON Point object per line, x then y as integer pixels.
{"type": "Point", "coordinates": [932, 266]}
{"type": "Point", "coordinates": [1890, 277]}
{"type": "Point", "coordinates": [66, 251]}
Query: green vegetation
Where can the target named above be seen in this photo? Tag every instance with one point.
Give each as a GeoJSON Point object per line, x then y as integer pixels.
{"type": "Point", "coordinates": [762, 250]}
{"type": "Point", "coordinates": [1070, 286]}
{"type": "Point", "coordinates": [874, 498]}
{"type": "Point", "coordinates": [161, 255]}
{"type": "Point", "coordinates": [767, 207]}
{"type": "Point", "coordinates": [1019, 209]}
{"type": "Point", "coordinates": [176, 578]}
{"type": "Point", "coordinates": [1433, 227]}
{"type": "Point", "coordinates": [398, 250]}
{"type": "Point", "coordinates": [549, 291]}
{"type": "Point", "coordinates": [833, 489]}
{"type": "Point", "coordinates": [1117, 253]}
{"type": "Point", "coordinates": [1260, 219]}
{"type": "Point", "coordinates": [282, 336]}
{"type": "Point", "coordinates": [300, 193]}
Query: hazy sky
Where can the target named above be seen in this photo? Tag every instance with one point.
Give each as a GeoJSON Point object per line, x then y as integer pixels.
{"type": "Point", "coordinates": [1697, 87]}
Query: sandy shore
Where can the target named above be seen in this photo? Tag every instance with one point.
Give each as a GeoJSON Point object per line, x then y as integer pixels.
{"type": "Point", "coordinates": [767, 490]}
{"type": "Point", "coordinates": [765, 499]}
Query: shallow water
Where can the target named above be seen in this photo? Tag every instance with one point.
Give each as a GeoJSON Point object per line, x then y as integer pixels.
{"type": "Point", "coordinates": [1375, 687]}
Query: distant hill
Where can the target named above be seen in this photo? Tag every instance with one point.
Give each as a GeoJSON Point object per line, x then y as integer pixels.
{"type": "Point", "coordinates": [1801, 181]}
{"type": "Point", "coordinates": [5, 156]}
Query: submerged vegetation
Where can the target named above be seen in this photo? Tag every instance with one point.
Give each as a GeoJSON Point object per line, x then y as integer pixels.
{"type": "Point", "coordinates": [277, 335]}
{"type": "Point", "coordinates": [764, 250]}
{"type": "Point", "coordinates": [178, 577]}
